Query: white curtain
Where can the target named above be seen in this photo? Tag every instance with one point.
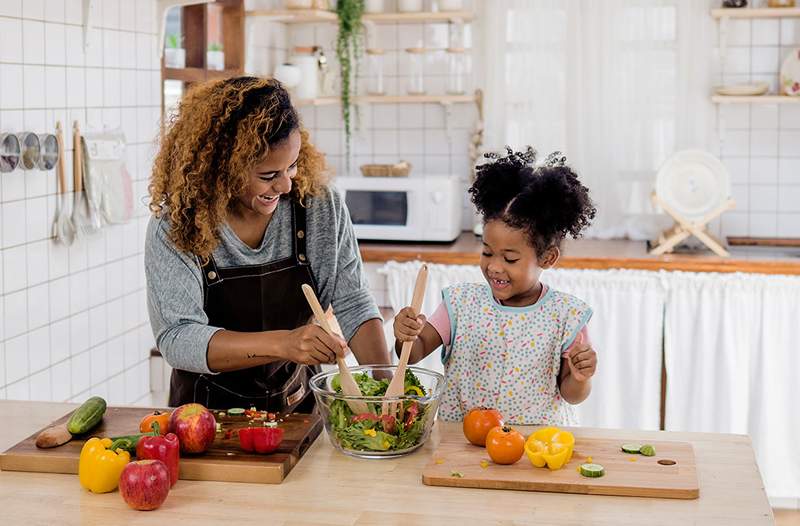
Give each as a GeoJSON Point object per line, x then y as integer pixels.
{"type": "Point", "coordinates": [617, 85]}
{"type": "Point", "coordinates": [732, 365]}
{"type": "Point", "coordinates": [625, 331]}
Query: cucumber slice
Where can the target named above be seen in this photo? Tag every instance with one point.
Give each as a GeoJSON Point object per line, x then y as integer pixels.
{"type": "Point", "coordinates": [235, 411]}
{"type": "Point", "coordinates": [592, 470]}
{"type": "Point", "coordinates": [631, 448]}
{"type": "Point", "coordinates": [647, 450]}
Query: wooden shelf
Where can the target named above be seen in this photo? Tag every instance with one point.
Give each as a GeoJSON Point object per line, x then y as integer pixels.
{"type": "Point", "coordinates": [198, 74]}
{"type": "Point", "coordinates": [766, 12]}
{"type": "Point", "coordinates": [295, 16]}
{"type": "Point", "coordinates": [316, 16]}
{"type": "Point", "coordinates": [390, 99]}
{"type": "Point", "coordinates": [757, 99]}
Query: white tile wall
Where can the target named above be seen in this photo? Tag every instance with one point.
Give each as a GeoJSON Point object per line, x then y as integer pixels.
{"type": "Point", "coordinates": [760, 143]}
{"type": "Point", "coordinates": [73, 321]}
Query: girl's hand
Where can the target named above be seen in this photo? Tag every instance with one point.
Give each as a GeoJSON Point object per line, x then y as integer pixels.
{"type": "Point", "coordinates": [311, 345]}
{"type": "Point", "coordinates": [406, 326]}
{"type": "Point", "coordinates": [582, 360]}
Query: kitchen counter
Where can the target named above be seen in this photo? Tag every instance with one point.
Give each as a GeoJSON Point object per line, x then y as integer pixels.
{"type": "Point", "coordinates": [598, 254]}
{"type": "Point", "coordinates": [327, 487]}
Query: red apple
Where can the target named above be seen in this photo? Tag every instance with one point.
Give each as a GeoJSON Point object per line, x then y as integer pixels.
{"type": "Point", "coordinates": [195, 426]}
{"type": "Point", "coordinates": [144, 484]}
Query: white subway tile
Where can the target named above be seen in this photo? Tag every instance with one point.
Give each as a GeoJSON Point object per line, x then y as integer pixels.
{"type": "Point", "coordinates": [738, 60]}
{"type": "Point", "coordinates": [98, 326]}
{"type": "Point", "coordinates": [41, 386]}
{"type": "Point", "coordinates": [62, 381]}
{"type": "Point", "coordinates": [436, 142]}
{"type": "Point", "coordinates": [19, 390]}
{"type": "Point", "coordinates": [37, 262]}
{"type": "Point", "coordinates": [763, 198]}
{"type": "Point", "coordinates": [789, 171]}
{"type": "Point", "coordinates": [127, 50]}
{"type": "Point", "coordinates": [55, 44]}
{"type": "Point", "coordinates": [33, 9]}
{"type": "Point", "coordinates": [127, 15]}
{"type": "Point", "coordinates": [73, 12]}
{"type": "Point", "coordinates": [97, 252]}
{"type": "Point", "coordinates": [38, 224]}
{"type": "Point", "coordinates": [790, 143]}
{"type": "Point", "coordinates": [789, 199]}
{"type": "Point", "coordinates": [54, 11]}
{"type": "Point", "coordinates": [75, 55]}
{"type": "Point", "coordinates": [110, 17]}
{"type": "Point", "coordinates": [81, 374]}
{"type": "Point", "coordinates": [116, 349]}
{"type": "Point", "coordinates": [11, 8]}
{"type": "Point", "coordinates": [79, 333]}
{"type": "Point", "coordinates": [59, 298]}
{"type": "Point", "coordinates": [329, 142]}
{"type": "Point", "coordinates": [437, 165]}
{"type": "Point", "coordinates": [17, 359]}
{"type": "Point", "coordinates": [143, 51]}
{"type": "Point", "coordinates": [130, 341]}
{"type": "Point", "coordinates": [13, 217]}
{"type": "Point", "coordinates": [739, 33]}
{"type": "Point", "coordinates": [94, 48]}
{"type": "Point", "coordinates": [789, 225]}
{"type": "Point", "coordinates": [766, 32]}
{"type": "Point", "coordinates": [764, 143]}
{"type": "Point", "coordinates": [59, 340]}
{"type": "Point", "coordinates": [410, 142]}
{"type": "Point", "coordinates": [38, 306]}
{"type": "Point", "coordinates": [76, 88]}
{"type": "Point", "coordinates": [78, 292]}
{"type": "Point", "coordinates": [129, 268]}
{"type": "Point", "coordinates": [113, 278]}
{"type": "Point", "coordinates": [790, 116]}
{"type": "Point", "coordinates": [94, 87]}
{"type": "Point", "coordinates": [764, 116]}
{"type": "Point", "coordinates": [58, 259]}
{"type": "Point", "coordinates": [741, 193]}
{"type": "Point", "coordinates": [735, 116]}
{"type": "Point", "coordinates": [115, 313]}
{"type": "Point", "coordinates": [763, 170]}
{"type": "Point", "coordinates": [128, 80]}
{"type": "Point", "coordinates": [10, 40]}
{"type": "Point", "coordinates": [145, 21]}
{"type": "Point", "coordinates": [11, 88]}
{"type": "Point", "coordinates": [39, 348]}
{"type": "Point", "coordinates": [99, 364]}
{"type": "Point", "coordinates": [34, 96]}
{"type": "Point", "coordinates": [111, 87]}
{"type": "Point", "coordinates": [78, 255]}
{"type": "Point", "coordinates": [142, 95]}
{"type": "Point", "coordinates": [385, 142]}
{"type": "Point", "coordinates": [763, 224]}
{"type": "Point", "coordinates": [131, 310]}
{"type": "Point", "coordinates": [384, 117]}
{"type": "Point", "coordinates": [735, 223]}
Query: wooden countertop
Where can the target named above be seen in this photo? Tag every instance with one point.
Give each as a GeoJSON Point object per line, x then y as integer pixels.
{"type": "Point", "coordinates": [327, 487]}
{"type": "Point", "coordinates": [599, 254]}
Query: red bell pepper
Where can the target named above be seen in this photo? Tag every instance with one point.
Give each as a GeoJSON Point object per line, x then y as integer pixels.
{"type": "Point", "coordinates": [164, 448]}
{"type": "Point", "coordinates": [260, 439]}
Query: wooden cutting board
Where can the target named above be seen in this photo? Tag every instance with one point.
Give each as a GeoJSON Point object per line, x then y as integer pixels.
{"type": "Point", "coordinates": [640, 477]}
{"type": "Point", "coordinates": [224, 461]}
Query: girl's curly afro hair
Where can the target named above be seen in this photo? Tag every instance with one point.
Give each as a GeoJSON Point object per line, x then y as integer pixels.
{"type": "Point", "coordinates": [547, 202]}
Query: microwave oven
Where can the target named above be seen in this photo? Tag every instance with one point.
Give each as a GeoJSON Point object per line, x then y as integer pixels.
{"type": "Point", "coordinates": [426, 208]}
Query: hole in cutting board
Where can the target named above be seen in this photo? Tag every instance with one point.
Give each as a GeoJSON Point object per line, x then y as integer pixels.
{"type": "Point", "coordinates": [667, 462]}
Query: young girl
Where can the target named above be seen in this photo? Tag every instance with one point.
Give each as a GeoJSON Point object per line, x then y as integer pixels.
{"type": "Point", "coordinates": [513, 343]}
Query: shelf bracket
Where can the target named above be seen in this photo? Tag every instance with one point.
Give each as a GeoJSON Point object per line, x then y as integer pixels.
{"type": "Point", "coordinates": [162, 7]}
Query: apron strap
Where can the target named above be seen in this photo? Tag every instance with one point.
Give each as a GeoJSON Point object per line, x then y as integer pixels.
{"type": "Point", "coordinates": [299, 230]}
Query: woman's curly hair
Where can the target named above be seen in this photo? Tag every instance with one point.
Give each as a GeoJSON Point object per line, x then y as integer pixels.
{"type": "Point", "coordinates": [547, 202]}
{"type": "Point", "coordinates": [222, 130]}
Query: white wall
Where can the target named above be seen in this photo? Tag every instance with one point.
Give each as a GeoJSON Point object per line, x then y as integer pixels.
{"type": "Point", "coordinates": [759, 143]}
{"type": "Point", "coordinates": [73, 321]}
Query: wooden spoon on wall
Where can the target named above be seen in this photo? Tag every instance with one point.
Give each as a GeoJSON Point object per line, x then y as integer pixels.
{"type": "Point", "coordinates": [349, 385]}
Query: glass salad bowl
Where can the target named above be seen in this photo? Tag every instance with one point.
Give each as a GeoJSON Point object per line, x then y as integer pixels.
{"type": "Point", "coordinates": [370, 434]}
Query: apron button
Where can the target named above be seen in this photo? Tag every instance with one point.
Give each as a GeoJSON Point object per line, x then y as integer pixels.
{"type": "Point", "coordinates": [301, 257]}
{"type": "Point", "coordinates": [301, 234]}
{"type": "Point", "coordinates": [212, 275]}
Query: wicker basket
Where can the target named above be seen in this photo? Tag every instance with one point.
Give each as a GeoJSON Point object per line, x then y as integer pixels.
{"type": "Point", "coordinates": [401, 169]}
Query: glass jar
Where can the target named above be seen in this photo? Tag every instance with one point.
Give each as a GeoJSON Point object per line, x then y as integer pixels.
{"type": "Point", "coordinates": [456, 71]}
{"type": "Point", "coordinates": [455, 34]}
{"type": "Point", "coordinates": [416, 71]}
{"type": "Point", "coordinates": [375, 59]}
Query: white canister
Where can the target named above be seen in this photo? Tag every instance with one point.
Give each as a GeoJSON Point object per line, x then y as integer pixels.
{"type": "Point", "coordinates": [288, 74]}
{"type": "Point", "coordinates": [305, 59]}
{"type": "Point", "coordinates": [373, 6]}
{"type": "Point", "coordinates": [409, 6]}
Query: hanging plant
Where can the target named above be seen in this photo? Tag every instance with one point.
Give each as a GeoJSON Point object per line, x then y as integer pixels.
{"type": "Point", "coordinates": [348, 50]}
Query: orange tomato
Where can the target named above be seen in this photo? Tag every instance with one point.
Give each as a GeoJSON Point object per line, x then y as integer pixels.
{"type": "Point", "coordinates": [504, 445]}
{"type": "Point", "coordinates": [479, 422]}
{"type": "Point", "coordinates": [146, 425]}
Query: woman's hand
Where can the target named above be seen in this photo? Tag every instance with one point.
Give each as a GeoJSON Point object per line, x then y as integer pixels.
{"type": "Point", "coordinates": [407, 327]}
{"type": "Point", "coordinates": [311, 345]}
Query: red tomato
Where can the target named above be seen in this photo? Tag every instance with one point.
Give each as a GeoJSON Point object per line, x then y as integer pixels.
{"type": "Point", "coordinates": [504, 445]}
{"type": "Point", "coordinates": [478, 422]}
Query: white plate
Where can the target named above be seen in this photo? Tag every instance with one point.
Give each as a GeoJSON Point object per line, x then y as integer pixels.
{"type": "Point", "coordinates": [743, 90]}
{"type": "Point", "coordinates": [693, 183]}
{"type": "Point", "coordinates": [790, 74]}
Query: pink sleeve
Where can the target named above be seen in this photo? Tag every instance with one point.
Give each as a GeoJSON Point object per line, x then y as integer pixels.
{"type": "Point", "coordinates": [582, 335]}
{"type": "Point", "coordinates": [440, 320]}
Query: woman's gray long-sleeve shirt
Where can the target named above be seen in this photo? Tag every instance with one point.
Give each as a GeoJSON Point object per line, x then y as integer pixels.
{"type": "Point", "coordinates": [174, 280]}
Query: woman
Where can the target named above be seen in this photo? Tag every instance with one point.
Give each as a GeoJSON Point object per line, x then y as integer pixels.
{"type": "Point", "coordinates": [242, 218]}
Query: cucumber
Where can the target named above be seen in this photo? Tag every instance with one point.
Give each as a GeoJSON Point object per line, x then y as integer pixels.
{"type": "Point", "coordinates": [647, 450]}
{"type": "Point", "coordinates": [235, 411]}
{"type": "Point", "coordinates": [592, 470]}
{"type": "Point", "coordinates": [87, 416]}
{"type": "Point", "coordinates": [631, 448]}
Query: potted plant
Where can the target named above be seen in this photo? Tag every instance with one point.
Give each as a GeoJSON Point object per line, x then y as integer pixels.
{"type": "Point", "coordinates": [215, 57]}
{"type": "Point", "coordinates": [348, 51]}
{"type": "Point", "coordinates": [174, 54]}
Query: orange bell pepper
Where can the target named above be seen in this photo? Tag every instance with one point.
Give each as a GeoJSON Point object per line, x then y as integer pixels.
{"type": "Point", "coordinates": [146, 424]}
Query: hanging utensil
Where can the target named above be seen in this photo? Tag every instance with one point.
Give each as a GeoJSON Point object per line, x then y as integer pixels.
{"type": "Point", "coordinates": [397, 385]}
{"type": "Point", "coordinates": [81, 218]}
{"type": "Point", "coordinates": [92, 188]}
{"type": "Point", "coordinates": [349, 385]}
{"type": "Point", "coordinates": [63, 229]}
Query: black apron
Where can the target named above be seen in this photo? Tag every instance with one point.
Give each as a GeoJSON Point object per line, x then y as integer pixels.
{"type": "Point", "coordinates": [255, 298]}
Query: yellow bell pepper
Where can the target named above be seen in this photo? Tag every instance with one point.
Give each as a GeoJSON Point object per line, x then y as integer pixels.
{"type": "Point", "coordinates": [550, 446]}
{"type": "Point", "coordinates": [413, 389]}
{"type": "Point", "coordinates": [100, 467]}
